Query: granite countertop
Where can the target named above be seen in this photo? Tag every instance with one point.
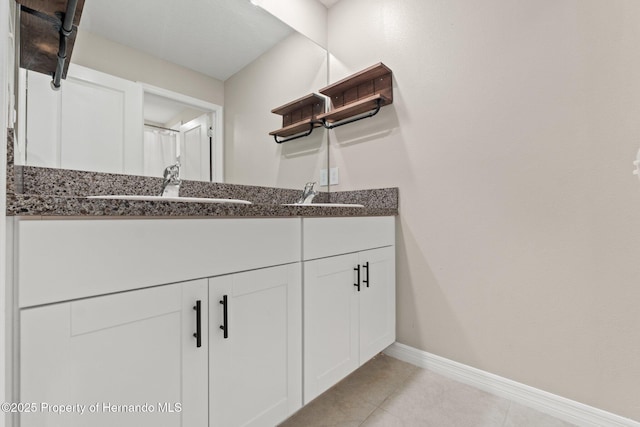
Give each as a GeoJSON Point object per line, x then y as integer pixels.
{"type": "Point", "coordinates": [45, 192]}
{"type": "Point", "coordinates": [66, 206]}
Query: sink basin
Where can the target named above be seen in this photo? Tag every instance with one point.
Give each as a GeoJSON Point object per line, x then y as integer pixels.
{"type": "Point", "coordinates": [326, 205]}
{"type": "Point", "coordinates": [172, 199]}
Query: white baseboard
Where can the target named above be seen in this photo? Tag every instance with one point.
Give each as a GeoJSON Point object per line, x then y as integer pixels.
{"type": "Point", "coordinates": [557, 406]}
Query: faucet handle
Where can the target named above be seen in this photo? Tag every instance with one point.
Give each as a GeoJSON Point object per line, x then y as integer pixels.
{"type": "Point", "coordinates": [172, 173]}
{"type": "Point", "coordinates": [307, 194]}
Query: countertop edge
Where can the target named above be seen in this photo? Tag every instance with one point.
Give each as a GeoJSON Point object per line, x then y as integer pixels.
{"type": "Point", "coordinates": [41, 206]}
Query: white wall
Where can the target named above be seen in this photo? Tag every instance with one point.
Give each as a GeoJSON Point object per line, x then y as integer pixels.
{"type": "Point", "coordinates": [292, 69]}
{"type": "Point", "coordinates": [6, 76]}
{"type": "Point", "coordinates": [96, 52]}
{"type": "Point", "coordinates": [308, 17]}
{"type": "Point", "coordinates": [511, 137]}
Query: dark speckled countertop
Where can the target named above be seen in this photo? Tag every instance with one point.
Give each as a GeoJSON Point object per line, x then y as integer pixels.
{"type": "Point", "coordinates": [34, 191]}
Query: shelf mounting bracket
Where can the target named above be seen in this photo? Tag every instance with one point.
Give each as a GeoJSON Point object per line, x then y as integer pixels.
{"type": "Point", "coordinates": [354, 119]}
{"type": "Point", "coordinates": [301, 135]}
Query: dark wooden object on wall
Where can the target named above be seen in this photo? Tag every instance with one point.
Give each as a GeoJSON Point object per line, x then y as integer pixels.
{"type": "Point", "coordinates": [40, 23]}
{"type": "Point", "coordinates": [299, 116]}
{"type": "Point", "coordinates": [364, 91]}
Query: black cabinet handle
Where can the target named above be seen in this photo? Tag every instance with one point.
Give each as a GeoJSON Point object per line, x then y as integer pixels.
{"type": "Point", "coordinates": [198, 333]}
{"type": "Point", "coordinates": [366, 266]}
{"type": "Point", "coordinates": [225, 325]}
{"type": "Point", "coordinates": [357, 284]}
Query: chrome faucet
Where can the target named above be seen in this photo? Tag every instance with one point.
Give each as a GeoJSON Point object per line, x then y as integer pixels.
{"type": "Point", "coordinates": [307, 194]}
{"type": "Point", "coordinates": [172, 181]}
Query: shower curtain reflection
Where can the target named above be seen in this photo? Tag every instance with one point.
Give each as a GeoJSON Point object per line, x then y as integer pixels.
{"type": "Point", "coordinates": [160, 150]}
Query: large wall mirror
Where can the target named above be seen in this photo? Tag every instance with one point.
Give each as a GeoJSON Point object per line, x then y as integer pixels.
{"type": "Point", "coordinates": [152, 81]}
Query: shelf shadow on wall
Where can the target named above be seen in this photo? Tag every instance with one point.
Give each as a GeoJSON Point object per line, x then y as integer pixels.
{"type": "Point", "coordinates": [307, 146]}
{"type": "Point", "coordinates": [377, 127]}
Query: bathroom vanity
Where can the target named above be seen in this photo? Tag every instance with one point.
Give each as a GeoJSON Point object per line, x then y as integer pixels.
{"type": "Point", "coordinates": [148, 313]}
{"type": "Point", "coordinates": [199, 319]}
{"type": "Point", "coordinates": [137, 320]}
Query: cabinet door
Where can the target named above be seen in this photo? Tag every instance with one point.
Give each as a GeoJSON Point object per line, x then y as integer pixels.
{"type": "Point", "coordinates": [130, 358]}
{"type": "Point", "coordinates": [330, 322]}
{"type": "Point", "coordinates": [377, 301]}
{"type": "Point", "coordinates": [256, 370]}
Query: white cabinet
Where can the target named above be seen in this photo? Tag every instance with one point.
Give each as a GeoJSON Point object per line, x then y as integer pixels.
{"type": "Point", "coordinates": [111, 352]}
{"type": "Point", "coordinates": [255, 329]}
{"type": "Point", "coordinates": [115, 255]}
{"type": "Point", "coordinates": [117, 329]}
{"type": "Point", "coordinates": [134, 344]}
{"type": "Point", "coordinates": [331, 322]}
{"type": "Point", "coordinates": [349, 300]}
{"type": "Point", "coordinates": [377, 318]}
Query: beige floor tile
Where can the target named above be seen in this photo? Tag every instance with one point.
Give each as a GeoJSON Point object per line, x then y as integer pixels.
{"type": "Point", "coordinates": [377, 379]}
{"type": "Point", "coordinates": [523, 416]}
{"type": "Point", "coordinates": [429, 399]}
{"type": "Point", "coordinates": [333, 408]}
{"type": "Point", "coordinates": [381, 418]}
{"type": "Point", "coordinates": [386, 392]}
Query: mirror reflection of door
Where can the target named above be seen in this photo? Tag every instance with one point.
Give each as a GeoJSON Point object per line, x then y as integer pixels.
{"type": "Point", "coordinates": [195, 149]}
{"type": "Point", "coordinates": [92, 123]}
{"type": "Point", "coordinates": [95, 123]}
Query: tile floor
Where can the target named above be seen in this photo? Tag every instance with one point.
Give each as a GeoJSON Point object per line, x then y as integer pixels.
{"type": "Point", "coordinates": [386, 392]}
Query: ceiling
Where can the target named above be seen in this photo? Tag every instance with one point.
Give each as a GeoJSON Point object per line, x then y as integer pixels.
{"type": "Point", "coordinates": [164, 112]}
{"type": "Point", "coordinates": [215, 37]}
{"type": "Point", "coordinates": [329, 3]}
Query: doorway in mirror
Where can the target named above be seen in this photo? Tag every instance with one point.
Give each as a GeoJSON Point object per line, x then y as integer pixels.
{"type": "Point", "coordinates": [102, 123]}
{"type": "Point", "coordinates": [189, 145]}
{"type": "Point", "coordinates": [193, 130]}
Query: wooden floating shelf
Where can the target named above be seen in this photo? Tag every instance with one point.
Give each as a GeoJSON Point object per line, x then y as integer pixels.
{"type": "Point", "coordinates": [299, 116]}
{"type": "Point", "coordinates": [295, 128]}
{"type": "Point", "coordinates": [364, 91]}
{"type": "Point", "coordinates": [40, 34]}
{"type": "Point", "coordinates": [359, 107]}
